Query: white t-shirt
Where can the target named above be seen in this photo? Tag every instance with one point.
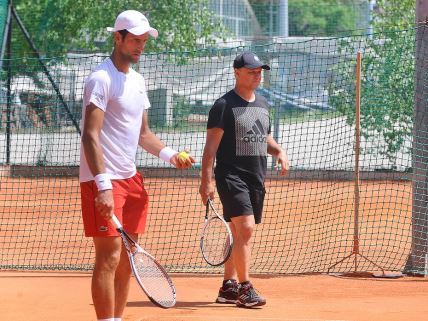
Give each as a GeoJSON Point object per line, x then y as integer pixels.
{"type": "Point", "coordinates": [123, 98]}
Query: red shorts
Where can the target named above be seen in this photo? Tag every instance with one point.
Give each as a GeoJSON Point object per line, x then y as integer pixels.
{"type": "Point", "coordinates": [130, 207]}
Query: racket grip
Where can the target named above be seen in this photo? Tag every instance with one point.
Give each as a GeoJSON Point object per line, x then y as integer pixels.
{"type": "Point", "coordinates": [207, 206]}
{"type": "Point", "coordinates": [116, 221]}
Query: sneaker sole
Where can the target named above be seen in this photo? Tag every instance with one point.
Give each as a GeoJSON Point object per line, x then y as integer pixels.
{"type": "Point", "coordinates": [250, 305]}
{"type": "Point", "coordinates": [225, 301]}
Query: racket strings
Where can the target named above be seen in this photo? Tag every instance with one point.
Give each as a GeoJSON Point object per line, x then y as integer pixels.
{"type": "Point", "coordinates": [216, 241]}
{"type": "Point", "coordinates": [153, 278]}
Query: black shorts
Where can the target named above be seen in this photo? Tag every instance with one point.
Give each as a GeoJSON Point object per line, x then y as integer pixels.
{"type": "Point", "coordinates": [240, 196]}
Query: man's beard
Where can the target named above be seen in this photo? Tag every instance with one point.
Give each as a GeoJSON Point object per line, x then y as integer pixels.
{"type": "Point", "coordinates": [130, 58]}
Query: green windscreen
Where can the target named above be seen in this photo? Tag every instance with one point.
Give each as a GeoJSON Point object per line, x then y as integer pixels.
{"type": "Point", "coordinates": [3, 20]}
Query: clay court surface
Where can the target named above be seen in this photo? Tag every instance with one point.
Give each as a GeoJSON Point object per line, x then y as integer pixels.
{"type": "Point", "coordinates": [307, 228]}
{"type": "Point", "coordinates": [42, 296]}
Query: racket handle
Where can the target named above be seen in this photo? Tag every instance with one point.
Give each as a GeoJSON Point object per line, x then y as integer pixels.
{"type": "Point", "coordinates": [207, 206]}
{"type": "Point", "coordinates": [116, 221]}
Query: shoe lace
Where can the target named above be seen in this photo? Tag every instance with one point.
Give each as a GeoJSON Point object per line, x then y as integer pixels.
{"type": "Point", "coordinates": [251, 292]}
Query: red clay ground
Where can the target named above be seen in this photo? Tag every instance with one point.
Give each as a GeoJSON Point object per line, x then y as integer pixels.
{"type": "Point", "coordinates": [39, 296]}
{"type": "Point", "coordinates": [307, 227]}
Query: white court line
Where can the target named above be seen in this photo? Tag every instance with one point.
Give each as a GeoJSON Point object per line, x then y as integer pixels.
{"type": "Point", "coordinates": [225, 318]}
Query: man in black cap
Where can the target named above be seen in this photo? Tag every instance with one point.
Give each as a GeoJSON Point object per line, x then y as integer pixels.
{"type": "Point", "coordinates": [239, 139]}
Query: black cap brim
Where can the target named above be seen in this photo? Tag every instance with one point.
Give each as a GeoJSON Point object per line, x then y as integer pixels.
{"type": "Point", "coordinates": [265, 67]}
{"type": "Point", "coordinates": [252, 66]}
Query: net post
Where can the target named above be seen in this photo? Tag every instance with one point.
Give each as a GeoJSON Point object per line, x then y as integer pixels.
{"type": "Point", "coordinates": [356, 249]}
{"type": "Point", "coordinates": [7, 41]}
{"type": "Point", "coordinates": [356, 244]}
{"type": "Point", "coordinates": [416, 261]}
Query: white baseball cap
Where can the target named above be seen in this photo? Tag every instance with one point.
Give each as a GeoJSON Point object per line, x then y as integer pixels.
{"type": "Point", "coordinates": [134, 22]}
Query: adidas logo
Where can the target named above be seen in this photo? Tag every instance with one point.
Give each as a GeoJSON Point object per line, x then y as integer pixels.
{"type": "Point", "coordinates": [256, 134]}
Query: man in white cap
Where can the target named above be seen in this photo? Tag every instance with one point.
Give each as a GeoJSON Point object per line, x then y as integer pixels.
{"type": "Point", "coordinates": [115, 122]}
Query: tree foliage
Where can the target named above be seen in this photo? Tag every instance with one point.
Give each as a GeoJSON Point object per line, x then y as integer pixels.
{"type": "Point", "coordinates": [62, 25]}
{"type": "Point", "coordinates": [321, 18]}
{"type": "Point", "coordinates": [387, 84]}
{"type": "Point", "coordinates": [394, 14]}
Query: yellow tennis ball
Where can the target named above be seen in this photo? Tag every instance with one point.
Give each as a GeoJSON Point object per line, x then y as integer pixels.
{"type": "Point", "coordinates": [183, 156]}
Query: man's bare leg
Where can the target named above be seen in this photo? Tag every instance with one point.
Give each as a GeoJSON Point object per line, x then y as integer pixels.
{"type": "Point", "coordinates": [107, 257]}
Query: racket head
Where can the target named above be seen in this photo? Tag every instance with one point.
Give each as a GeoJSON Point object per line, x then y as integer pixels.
{"type": "Point", "coordinates": [216, 240]}
{"type": "Point", "coordinates": [152, 278]}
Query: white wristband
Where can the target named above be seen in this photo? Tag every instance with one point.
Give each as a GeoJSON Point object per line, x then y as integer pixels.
{"type": "Point", "coordinates": [166, 153]}
{"type": "Point", "coordinates": [103, 182]}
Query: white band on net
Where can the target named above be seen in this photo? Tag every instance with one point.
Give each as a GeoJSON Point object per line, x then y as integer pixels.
{"type": "Point", "coordinates": [103, 182]}
{"type": "Point", "coordinates": [166, 153]}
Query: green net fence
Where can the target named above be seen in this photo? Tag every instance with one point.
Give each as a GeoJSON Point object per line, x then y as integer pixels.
{"type": "Point", "coordinates": [308, 223]}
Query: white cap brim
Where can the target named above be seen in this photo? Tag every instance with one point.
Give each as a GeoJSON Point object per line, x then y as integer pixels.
{"type": "Point", "coordinates": [138, 31]}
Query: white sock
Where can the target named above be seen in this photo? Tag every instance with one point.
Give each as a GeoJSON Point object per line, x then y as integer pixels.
{"type": "Point", "coordinates": [117, 319]}
{"type": "Point", "coordinates": [109, 319]}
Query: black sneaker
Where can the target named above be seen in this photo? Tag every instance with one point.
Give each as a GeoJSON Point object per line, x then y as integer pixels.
{"type": "Point", "coordinates": [228, 293]}
{"type": "Point", "coordinates": [248, 296]}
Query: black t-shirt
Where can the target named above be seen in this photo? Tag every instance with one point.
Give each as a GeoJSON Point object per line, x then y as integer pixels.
{"type": "Point", "coordinates": [246, 125]}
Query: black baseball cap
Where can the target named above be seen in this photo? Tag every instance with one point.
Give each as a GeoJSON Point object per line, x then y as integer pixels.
{"type": "Point", "coordinates": [249, 60]}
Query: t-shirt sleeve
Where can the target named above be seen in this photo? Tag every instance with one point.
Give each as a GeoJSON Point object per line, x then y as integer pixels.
{"type": "Point", "coordinates": [97, 90]}
{"type": "Point", "coordinates": [216, 115]}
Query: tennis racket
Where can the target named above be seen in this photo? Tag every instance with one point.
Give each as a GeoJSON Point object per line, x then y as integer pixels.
{"type": "Point", "coordinates": [150, 275]}
{"type": "Point", "coordinates": [216, 239]}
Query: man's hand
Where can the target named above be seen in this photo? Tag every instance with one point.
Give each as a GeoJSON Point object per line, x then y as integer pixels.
{"type": "Point", "coordinates": [104, 203]}
{"type": "Point", "coordinates": [207, 191]}
{"type": "Point", "coordinates": [282, 162]}
{"type": "Point", "coordinates": [182, 160]}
